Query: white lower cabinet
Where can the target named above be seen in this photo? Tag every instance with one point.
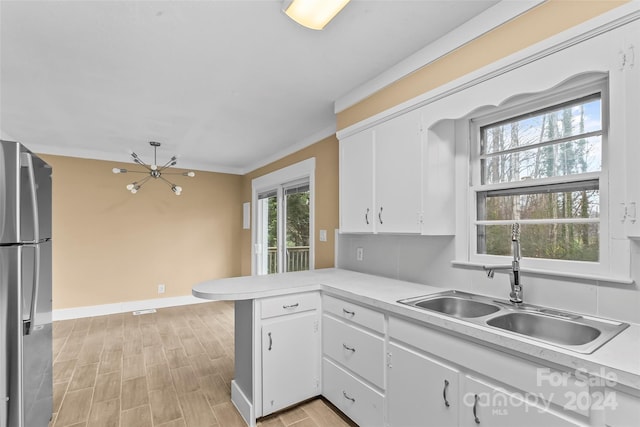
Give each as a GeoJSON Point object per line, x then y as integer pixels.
{"type": "Point", "coordinates": [488, 405]}
{"type": "Point", "coordinates": [420, 390]}
{"type": "Point", "coordinates": [360, 402]}
{"type": "Point", "coordinates": [290, 350]}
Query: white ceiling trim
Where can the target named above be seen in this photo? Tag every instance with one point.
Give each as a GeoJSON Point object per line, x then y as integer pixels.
{"type": "Point", "coordinates": [493, 17]}
{"type": "Point", "coordinates": [125, 157]}
{"type": "Point", "coordinates": [310, 140]}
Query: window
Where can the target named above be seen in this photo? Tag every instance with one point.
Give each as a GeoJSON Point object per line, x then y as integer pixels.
{"type": "Point", "coordinates": [540, 164]}
{"type": "Point", "coordinates": [283, 220]}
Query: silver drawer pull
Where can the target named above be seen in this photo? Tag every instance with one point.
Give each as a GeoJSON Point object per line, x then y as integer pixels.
{"type": "Point", "coordinates": [351, 349]}
{"type": "Point", "coordinates": [350, 313]}
{"type": "Point", "coordinates": [346, 396]}
{"type": "Point", "coordinates": [475, 404]}
{"type": "Point", "coordinates": [444, 393]}
{"type": "Point", "coordinates": [291, 306]}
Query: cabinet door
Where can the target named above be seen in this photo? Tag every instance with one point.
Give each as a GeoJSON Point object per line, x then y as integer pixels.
{"type": "Point", "coordinates": [356, 183]}
{"type": "Point", "coordinates": [398, 167]}
{"type": "Point", "coordinates": [488, 405]}
{"type": "Point", "coordinates": [621, 409]}
{"type": "Point", "coordinates": [631, 78]}
{"type": "Point", "coordinates": [420, 391]}
{"type": "Point", "coordinates": [290, 360]}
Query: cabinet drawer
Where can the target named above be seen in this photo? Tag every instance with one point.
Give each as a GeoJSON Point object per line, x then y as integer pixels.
{"type": "Point", "coordinates": [353, 312]}
{"type": "Point", "coordinates": [288, 304]}
{"type": "Point", "coordinates": [358, 401]}
{"type": "Point", "coordinates": [356, 349]}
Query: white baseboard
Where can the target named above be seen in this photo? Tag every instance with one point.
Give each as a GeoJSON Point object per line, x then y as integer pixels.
{"type": "Point", "coordinates": [123, 307]}
{"type": "Point", "coordinates": [242, 404]}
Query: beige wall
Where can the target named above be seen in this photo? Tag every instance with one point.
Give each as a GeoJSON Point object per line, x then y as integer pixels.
{"type": "Point", "coordinates": [112, 246]}
{"type": "Point", "coordinates": [543, 21]}
{"type": "Point", "coordinates": [326, 198]}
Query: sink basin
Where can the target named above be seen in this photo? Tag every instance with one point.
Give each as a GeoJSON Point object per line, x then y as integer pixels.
{"type": "Point", "coordinates": [458, 307]}
{"type": "Point", "coordinates": [545, 328]}
{"type": "Point", "coordinates": [454, 303]}
{"type": "Point", "coordinates": [571, 331]}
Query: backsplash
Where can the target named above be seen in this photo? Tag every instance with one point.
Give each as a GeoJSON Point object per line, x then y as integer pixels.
{"type": "Point", "coordinates": [427, 259]}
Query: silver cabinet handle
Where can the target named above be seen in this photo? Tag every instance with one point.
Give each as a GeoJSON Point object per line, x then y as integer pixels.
{"type": "Point", "coordinates": [270, 341]}
{"type": "Point", "coordinates": [350, 313]}
{"type": "Point", "coordinates": [291, 305]}
{"type": "Point", "coordinates": [444, 393]}
{"type": "Point", "coordinates": [346, 396]}
{"type": "Point", "coordinates": [475, 404]}
{"type": "Point", "coordinates": [366, 216]}
{"type": "Point", "coordinates": [351, 349]}
{"type": "Point", "coordinates": [380, 215]}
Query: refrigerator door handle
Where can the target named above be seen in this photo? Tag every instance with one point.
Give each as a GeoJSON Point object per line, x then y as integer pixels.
{"type": "Point", "coordinates": [27, 160]}
{"type": "Point", "coordinates": [33, 306]}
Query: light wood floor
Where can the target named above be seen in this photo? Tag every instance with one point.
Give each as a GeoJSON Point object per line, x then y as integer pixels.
{"type": "Point", "coordinates": [172, 368]}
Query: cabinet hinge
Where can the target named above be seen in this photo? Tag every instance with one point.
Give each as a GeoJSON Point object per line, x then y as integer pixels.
{"type": "Point", "coordinates": [389, 365]}
{"type": "Point", "coordinates": [420, 218]}
{"type": "Point", "coordinates": [316, 326]}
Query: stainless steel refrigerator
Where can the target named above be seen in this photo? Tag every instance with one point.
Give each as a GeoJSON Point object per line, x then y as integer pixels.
{"type": "Point", "coordinates": [25, 288]}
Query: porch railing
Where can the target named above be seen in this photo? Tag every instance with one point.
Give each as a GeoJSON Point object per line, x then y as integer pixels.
{"type": "Point", "coordinates": [297, 259]}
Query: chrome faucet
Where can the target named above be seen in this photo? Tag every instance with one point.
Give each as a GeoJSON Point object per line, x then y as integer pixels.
{"type": "Point", "coordinates": [517, 292]}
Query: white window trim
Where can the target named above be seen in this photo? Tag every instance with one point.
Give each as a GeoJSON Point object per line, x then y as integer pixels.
{"type": "Point", "coordinates": [297, 171]}
{"type": "Point", "coordinates": [574, 89]}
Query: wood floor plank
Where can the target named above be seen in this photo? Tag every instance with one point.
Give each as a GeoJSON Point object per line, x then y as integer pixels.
{"type": "Point", "coordinates": [196, 410]}
{"type": "Point", "coordinates": [133, 366]}
{"type": "Point", "coordinates": [107, 386]}
{"type": "Point", "coordinates": [136, 417]}
{"type": "Point", "coordinates": [134, 393]}
{"type": "Point", "coordinates": [105, 414]}
{"type": "Point", "coordinates": [83, 377]}
{"type": "Point", "coordinates": [75, 407]}
{"type": "Point", "coordinates": [165, 406]}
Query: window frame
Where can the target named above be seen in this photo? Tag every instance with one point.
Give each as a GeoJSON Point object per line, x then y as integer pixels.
{"type": "Point", "coordinates": [574, 89]}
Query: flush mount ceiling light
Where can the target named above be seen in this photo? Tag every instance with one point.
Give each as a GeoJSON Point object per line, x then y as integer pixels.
{"type": "Point", "coordinates": [154, 171]}
{"type": "Point", "coordinates": [314, 14]}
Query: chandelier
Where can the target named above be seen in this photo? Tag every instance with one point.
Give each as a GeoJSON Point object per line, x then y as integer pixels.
{"type": "Point", "coordinates": [154, 171]}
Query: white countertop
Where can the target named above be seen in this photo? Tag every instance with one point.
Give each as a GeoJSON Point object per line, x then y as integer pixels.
{"type": "Point", "coordinates": [620, 356]}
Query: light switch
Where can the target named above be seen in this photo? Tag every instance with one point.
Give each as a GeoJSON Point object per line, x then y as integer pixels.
{"type": "Point", "coordinates": [323, 235]}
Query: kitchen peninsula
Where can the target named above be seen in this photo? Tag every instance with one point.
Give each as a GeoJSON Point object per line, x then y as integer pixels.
{"type": "Point", "coordinates": [345, 336]}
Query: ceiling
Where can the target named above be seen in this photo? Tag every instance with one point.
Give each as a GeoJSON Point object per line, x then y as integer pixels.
{"type": "Point", "coordinates": [223, 84]}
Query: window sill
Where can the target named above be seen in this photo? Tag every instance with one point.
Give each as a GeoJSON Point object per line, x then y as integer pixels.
{"type": "Point", "coordinates": [549, 273]}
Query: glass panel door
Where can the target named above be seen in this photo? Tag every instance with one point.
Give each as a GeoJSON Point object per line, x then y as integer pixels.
{"type": "Point", "coordinates": [296, 203]}
{"type": "Point", "coordinates": [267, 233]}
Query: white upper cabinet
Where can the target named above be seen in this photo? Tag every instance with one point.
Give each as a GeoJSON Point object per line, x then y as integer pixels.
{"type": "Point", "coordinates": [356, 183]}
{"type": "Point", "coordinates": [398, 178]}
{"type": "Point", "coordinates": [397, 170]}
{"type": "Point", "coordinates": [629, 61]}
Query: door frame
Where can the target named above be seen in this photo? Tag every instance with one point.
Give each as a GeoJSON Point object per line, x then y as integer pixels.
{"type": "Point", "coordinates": [296, 171]}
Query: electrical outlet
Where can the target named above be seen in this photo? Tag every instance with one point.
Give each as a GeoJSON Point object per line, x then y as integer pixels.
{"type": "Point", "coordinates": [359, 254]}
{"type": "Point", "coordinates": [161, 288]}
{"type": "Point", "coordinates": [323, 235]}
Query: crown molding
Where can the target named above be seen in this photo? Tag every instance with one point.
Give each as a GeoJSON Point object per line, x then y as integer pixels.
{"type": "Point", "coordinates": [491, 18]}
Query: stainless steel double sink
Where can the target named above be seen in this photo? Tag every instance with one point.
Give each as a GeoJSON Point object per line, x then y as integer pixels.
{"type": "Point", "coordinates": [571, 331]}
